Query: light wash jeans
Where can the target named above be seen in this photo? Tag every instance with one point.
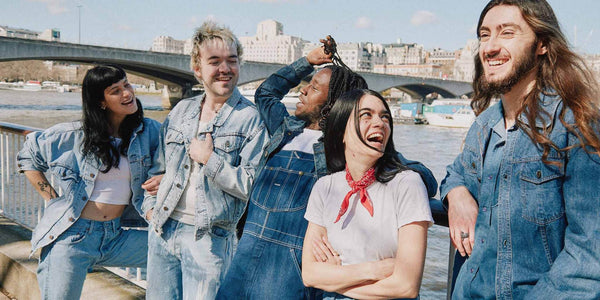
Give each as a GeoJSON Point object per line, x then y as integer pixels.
{"type": "Point", "coordinates": [65, 262]}
{"type": "Point", "coordinates": [179, 267]}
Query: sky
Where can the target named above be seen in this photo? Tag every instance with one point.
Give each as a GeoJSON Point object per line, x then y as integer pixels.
{"type": "Point", "coordinates": [446, 24]}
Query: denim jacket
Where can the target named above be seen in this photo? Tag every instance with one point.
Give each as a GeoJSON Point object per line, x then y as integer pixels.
{"type": "Point", "coordinates": [538, 236]}
{"type": "Point", "coordinates": [58, 150]}
{"type": "Point", "coordinates": [283, 128]}
{"type": "Point", "coordinates": [225, 180]}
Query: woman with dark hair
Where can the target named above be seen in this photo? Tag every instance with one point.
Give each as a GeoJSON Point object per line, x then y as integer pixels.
{"type": "Point", "coordinates": [100, 164]}
{"type": "Point", "coordinates": [367, 231]}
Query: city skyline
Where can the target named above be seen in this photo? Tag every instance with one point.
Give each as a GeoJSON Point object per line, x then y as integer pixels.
{"type": "Point", "coordinates": [134, 24]}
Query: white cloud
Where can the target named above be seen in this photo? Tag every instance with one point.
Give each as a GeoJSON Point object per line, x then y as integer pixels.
{"type": "Point", "coordinates": [423, 17]}
{"type": "Point", "coordinates": [363, 22]}
{"type": "Point", "coordinates": [55, 7]}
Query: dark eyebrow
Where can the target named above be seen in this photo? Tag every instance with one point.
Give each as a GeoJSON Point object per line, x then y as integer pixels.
{"type": "Point", "coordinates": [504, 25]}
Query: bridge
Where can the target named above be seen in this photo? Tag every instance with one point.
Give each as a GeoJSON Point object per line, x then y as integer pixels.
{"type": "Point", "coordinates": [174, 69]}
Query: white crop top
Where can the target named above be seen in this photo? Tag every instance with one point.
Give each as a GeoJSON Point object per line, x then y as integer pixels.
{"type": "Point", "coordinates": [113, 186]}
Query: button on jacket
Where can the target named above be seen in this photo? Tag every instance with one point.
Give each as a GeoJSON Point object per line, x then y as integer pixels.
{"type": "Point", "coordinates": [538, 227]}
{"type": "Point", "coordinates": [224, 182]}
{"type": "Point", "coordinates": [58, 150]}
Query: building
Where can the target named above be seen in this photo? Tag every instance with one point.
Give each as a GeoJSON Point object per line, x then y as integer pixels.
{"type": "Point", "coordinates": [464, 67]}
{"type": "Point", "coordinates": [445, 59]}
{"type": "Point", "coordinates": [271, 45]}
{"type": "Point", "coordinates": [405, 54]}
{"type": "Point", "coordinates": [167, 44]}
{"type": "Point", "coordinates": [415, 70]}
{"type": "Point", "coordinates": [47, 35]}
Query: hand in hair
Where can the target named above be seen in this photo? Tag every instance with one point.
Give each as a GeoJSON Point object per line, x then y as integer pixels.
{"type": "Point", "coordinates": [318, 57]}
{"type": "Point", "coordinates": [200, 151]}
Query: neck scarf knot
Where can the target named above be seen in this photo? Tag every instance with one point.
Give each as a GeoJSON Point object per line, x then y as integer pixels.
{"type": "Point", "coordinates": [358, 186]}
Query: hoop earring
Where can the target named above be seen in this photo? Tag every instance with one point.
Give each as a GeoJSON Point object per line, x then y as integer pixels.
{"type": "Point", "coordinates": [103, 107]}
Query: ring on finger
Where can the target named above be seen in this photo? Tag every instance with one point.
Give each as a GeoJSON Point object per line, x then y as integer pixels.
{"type": "Point", "coordinates": [464, 235]}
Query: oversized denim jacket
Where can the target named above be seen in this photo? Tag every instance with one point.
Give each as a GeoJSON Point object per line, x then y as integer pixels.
{"type": "Point", "coordinates": [225, 180]}
{"type": "Point", "coordinates": [548, 217]}
{"type": "Point", "coordinates": [58, 150]}
{"type": "Point", "coordinates": [283, 128]}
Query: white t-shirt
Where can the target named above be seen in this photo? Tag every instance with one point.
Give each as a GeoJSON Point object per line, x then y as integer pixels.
{"type": "Point", "coordinates": [358, 236]}
{"type": "Point", "coordinates": [304, 141]}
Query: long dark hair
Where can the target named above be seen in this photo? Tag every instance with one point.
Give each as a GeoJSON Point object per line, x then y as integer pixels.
{"type": "Point", "coordinates": [97, 139]}
{"type": "Point", "coordinates": [342, 80]}
{"type": "Point", "coordinates": [560, 72]}
{"type": "Point", "coordinates": [386, 166]}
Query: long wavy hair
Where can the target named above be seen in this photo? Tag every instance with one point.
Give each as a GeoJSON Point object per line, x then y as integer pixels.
{"type": "Point", "coordinates": [345, 107]}
{"type": "Point", "coordinates": [560, 72]}
{"type": "Point", "coordinates": [97, 138]}
{"type": "Point", "coordinates": [342, 80]}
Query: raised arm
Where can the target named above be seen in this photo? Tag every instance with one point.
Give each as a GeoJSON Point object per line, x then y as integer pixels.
{"type": "Point", "coordinates": [269, 94]}
{"type": "Point", "coordinates": [333, 277]}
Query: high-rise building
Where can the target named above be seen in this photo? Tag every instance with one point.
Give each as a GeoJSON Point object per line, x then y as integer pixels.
{"type": "Point", "coordinates": [271, 45]}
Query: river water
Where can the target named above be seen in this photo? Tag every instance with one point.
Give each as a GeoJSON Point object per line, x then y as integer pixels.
{"type": "Point", "coordinates": [436, 147]}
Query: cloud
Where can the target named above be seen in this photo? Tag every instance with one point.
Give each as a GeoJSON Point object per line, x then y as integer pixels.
{"type": "Point", "coordinates": [363, 22]}
{"type": "Point", "coordinates": [423, 17]}
{"type": "Point", "coordinates": [55, 7]}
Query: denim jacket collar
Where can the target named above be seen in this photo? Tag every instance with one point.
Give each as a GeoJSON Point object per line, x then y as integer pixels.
{"type": "Point", "coordinates": [549, 103]}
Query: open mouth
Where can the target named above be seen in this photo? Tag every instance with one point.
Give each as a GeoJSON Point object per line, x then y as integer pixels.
{"type": "Point", "coordinates": [128, 102]}
{"type": "Point", "coordinates": [224, 78]}
{"type": "Point", "coordinates": [496, 62]}
{"type": "Point", "coordinates": [376, 137]}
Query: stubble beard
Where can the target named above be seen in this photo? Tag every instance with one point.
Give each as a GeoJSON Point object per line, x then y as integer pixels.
{"type": "Point", "coordinates": [310, 117]}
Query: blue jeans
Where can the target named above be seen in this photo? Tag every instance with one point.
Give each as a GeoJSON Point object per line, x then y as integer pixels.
{"type": "Point", "coordinates": [181, 267]}
{"type": "Point", "coordinates": [65, 262]}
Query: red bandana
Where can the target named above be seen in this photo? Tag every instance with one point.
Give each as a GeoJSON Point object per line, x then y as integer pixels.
{"type": "Point", "coordinates": [361, 185]}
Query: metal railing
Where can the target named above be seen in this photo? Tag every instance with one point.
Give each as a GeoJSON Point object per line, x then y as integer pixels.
{"type": "Point", "coordinates": [20, 202]}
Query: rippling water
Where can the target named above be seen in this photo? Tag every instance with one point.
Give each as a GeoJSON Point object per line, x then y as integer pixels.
{"type": "Point", "coordinates": [436, 147]}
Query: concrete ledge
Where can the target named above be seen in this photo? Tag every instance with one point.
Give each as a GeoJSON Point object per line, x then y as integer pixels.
{"type": "Point", "coordinates": [18, 271]}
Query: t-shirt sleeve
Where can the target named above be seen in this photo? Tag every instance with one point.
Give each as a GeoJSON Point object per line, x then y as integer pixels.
{"type": "Point", "coordinates": [412, 201]}
{"type": "Point", "coordinates": [315, 207]}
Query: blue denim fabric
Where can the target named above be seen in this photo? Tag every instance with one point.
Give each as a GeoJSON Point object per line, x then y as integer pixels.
{"type": "Point", "coordinates": [537, 233]}
{"type": "Point", "coordinates": [58, 149]}
{"type": "Point", "coordinates": [267, 261]}
{"type": "Point", "coordinates": [65, 263]}
{"type": "Point", "coordinates": [181, 267]}
{"type": "Point", "coordinates": [225, 180]}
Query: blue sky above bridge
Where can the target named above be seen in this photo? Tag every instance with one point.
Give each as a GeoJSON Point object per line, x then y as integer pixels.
{"type": "Point", "coordinates": [446, 24]}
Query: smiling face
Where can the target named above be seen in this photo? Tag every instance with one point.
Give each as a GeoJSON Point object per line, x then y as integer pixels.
{"type": "Point", "coordinates": [119, 100]}
{"type": "Point", "coordinates": [218, 69]}
{"type": "Point", "coordinates": [374, 125]}
{"type": "Point", "coordinates": [312, 98]}
{"type": "Point", "coordinates": [508, 48]}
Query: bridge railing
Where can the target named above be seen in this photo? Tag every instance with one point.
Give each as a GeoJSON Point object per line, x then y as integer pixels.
{"type": "Point", "coordinates": [20, 202]}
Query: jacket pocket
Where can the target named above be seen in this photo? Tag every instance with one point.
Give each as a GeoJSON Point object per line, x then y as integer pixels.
{"type": "Point", "coordinates": [228, 147]}
{"type": "Point", "coordinates": [174, 144]}
{"type": "Point", "coordinates": [541, 192]}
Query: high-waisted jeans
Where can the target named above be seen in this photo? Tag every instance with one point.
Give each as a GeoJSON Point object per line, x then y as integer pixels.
{"type": "Point", "coordinates": [65, 262]}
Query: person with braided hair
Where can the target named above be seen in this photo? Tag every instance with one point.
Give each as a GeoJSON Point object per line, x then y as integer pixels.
{"type": "Point", "coordinates": [267, 261]}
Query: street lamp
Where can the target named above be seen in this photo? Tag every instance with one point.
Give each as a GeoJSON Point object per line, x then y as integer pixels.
{"type": "Point", "coordinates": [79, 17]}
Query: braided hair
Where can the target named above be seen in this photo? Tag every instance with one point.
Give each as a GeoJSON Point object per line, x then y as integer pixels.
{"type": "Point", "coordinates": [342, 80]}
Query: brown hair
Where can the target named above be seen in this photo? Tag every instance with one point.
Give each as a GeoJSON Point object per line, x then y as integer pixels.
{"type": "Point", "coordinates": [561, 72]}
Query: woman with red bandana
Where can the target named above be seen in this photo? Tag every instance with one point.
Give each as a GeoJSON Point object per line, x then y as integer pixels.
{"type": "Point", "coordinates": [368, 220]}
